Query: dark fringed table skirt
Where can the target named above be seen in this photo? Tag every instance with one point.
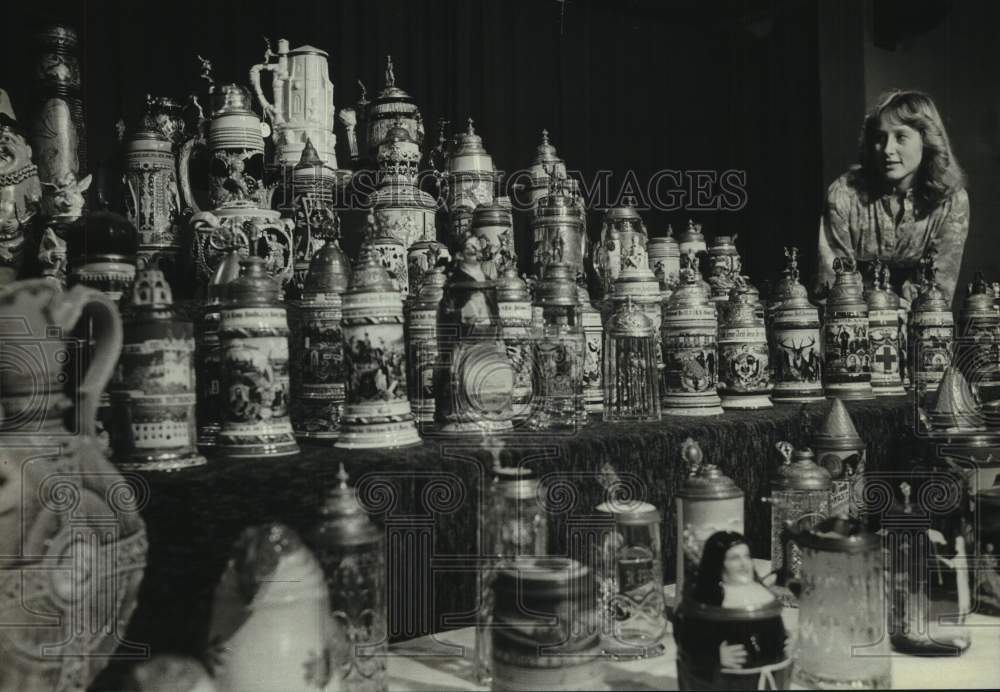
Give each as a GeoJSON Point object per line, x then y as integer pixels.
{"type": "Point", "coordinates": [427, 499]}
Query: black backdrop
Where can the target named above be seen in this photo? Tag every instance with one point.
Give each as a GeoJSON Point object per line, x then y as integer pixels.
{"type": "Point", "coordinates": [633, 85]}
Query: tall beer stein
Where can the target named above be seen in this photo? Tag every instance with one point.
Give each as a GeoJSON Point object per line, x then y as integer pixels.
{"type": "Point", "coordinates": [847, 370]}
{"type": "Point", "coordinates": [302, 106]}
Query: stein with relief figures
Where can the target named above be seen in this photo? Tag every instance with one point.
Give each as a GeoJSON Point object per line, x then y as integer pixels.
{"type": "Point", "coordinates": [152, 200]}
{"type": "Point", "coordinates": [846, 349]}
{"type": "Point", "coordinates": [423, 354]}
{"type": "Point", "coordinates": [558, 231]}
{"type": "Point", "coordinates": [795, 337]}
{"type": "Point", "coordinates": [622, 236]}
{"type": "Point", "coordinates": [664, 253]}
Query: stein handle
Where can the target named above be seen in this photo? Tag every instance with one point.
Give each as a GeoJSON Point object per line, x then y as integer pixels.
{"type": "Point", "coordinates": [184, 172]}
{"type": "Point", "coordinates": [279, 75]}
{"type": "Point", "coordinates": [106, 323]}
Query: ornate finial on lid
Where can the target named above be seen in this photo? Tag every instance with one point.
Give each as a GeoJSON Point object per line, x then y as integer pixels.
{"type": "Point", "coordinates": [692, 455]}
{"type": "Point", "coordinates": [844, 265]}
{"type": "Point", "coordinates": [206, 72]}
{"type": "Point", "coordinates": [390, 74]}
{"type": "Point", "coordinates": [254, 286]}
{"type": "Point", "coordinates": [310, 157]}
{"type": "Point", "coordinates": [364, 93]}
{"type": "Point", "coordinates": [470, 130]}
{"type": "Point", "coordinates": [369, 275]}
{"type": "Point", "coordinates": [545, 136]}
{"type": "Point", "coordinates": [670, 231]}
{"type": "Point", "coordinates": [785, 449]}
{"type": "Point", "coordinates": [792, 263]}
{"type": "Point", "coordinates": [151, 290]}
{"type": "Point", "coordinates": [342, 477]}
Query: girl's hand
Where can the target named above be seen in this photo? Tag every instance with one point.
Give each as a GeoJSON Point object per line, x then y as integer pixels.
{"type": "Point", "coordinates": [732, 655]}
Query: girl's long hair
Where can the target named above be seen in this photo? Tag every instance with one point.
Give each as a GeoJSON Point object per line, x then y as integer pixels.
{"type": "Point", "coordinates": [708, 586]}
{"type": "Point", "coordinates": [939, 174]}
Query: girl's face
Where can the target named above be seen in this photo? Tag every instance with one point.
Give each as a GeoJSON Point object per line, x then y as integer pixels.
{"type": "Point", "coordinates": [737, 568]}
{"type": "Point", "coordinates": [898, 150]}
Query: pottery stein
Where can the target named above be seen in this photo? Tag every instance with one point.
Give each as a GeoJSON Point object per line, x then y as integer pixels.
{"type": "Point", "coordinates": [400, 206]}
{"type": "Point", "coordinates": [271, 627]}
{"type": "Point", "coordinates": [557, 230]}
{"type": "Point", "coordinates": [392, 107]}
{"type": "Point", "coordinates": [423, 353]}
{"type": "Point", "coordinates": [20, 191]}
{"type": "Point", "coordinates": [795, 339]}
{"type": "Point", "coordinates": [847, 370]}
{"type": "Point", "coordinates": [977, 351]}
{"type": "Point", "coordinates": [208, 354]}
{"type": "Point", "coordinates": [545, 165]}
{"type": "Point", "coordinates": [301, 107]}
{"type": "Point", "coordinates": [493, 224]}
{"type": "Point", "coordinates": [253, 330]}
{"type": "Point", "coordinates": [152, 199]}
{"type": "Point", "coordinates": [841, 451]}
{"type": "Point", "coordinates": [664, 254]}
{"type": "Point", "coordinates": [884, 332]}
{"type": "Point", "coordinates": [471, 175]}
{"type": "Point", "coordinates": [622, 237]}
{"type": "Point", "coordinates": [932, 334]}
{"type": "Point", "coordinates": [153, 397]}
{"type": "Point", "coordinates": [744, 368]}
{"type": "Point", "coordinates": [72, 540]}
{"type": "Point", "coordinates": [724, 260]}
{"type": "Point", "coordinates": [692, 238]}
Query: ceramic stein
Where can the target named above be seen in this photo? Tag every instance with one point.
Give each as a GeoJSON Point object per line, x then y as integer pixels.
{"type": "Point", "coordinates": [152, 200]}
{"type": "Point", "coordinates": [20, 191]}
{"type": "Point", "coordinates": [271, 627]}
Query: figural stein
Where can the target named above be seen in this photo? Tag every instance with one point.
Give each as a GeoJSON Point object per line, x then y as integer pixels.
{"type": "Point", "coordinates": [795, 339]}
{"type": "Point", "coordinates": [153, 397]}
{"type": "Point", "coordinates": [253, 331]}
{"type": "Point", "coordinates": [846, 348]}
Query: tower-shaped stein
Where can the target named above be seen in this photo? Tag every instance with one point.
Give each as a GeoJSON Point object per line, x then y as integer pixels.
{"type": "Point", "coordinates": [471, 175]}
{"type": "Point", "coordinates": [840, 450]}
{"type": "Point", "coordinates": [690, 348]}
{"type": "Point", "coordinates": [351, 551]}
{"type": "Point", "coordinates": [977, 351]}
{"type": "Point", "coordinates": [744, 362]}
{"type": "Point", "coordinates": [666, 253]}
{"type": "Point", "coordinates": [547, 163]}
{"type": "Point", "coordinates": [637, 283]}
{"type": "Point", "coordinates": [631, 391]}
{"type": "Point", "coordinates": [623, 235]}
{"type": "Point", "coordinates": [842, 613]}
{"type": "Point", "coordinates": [513, 523]}
{"type": "Point", "coordinates": [800, 499]}
{"type": "Point", "coordinates": [559, 353]}
{"type": "Point", "coordinates": [691, 238]}
{"type": "Point", "coordinates": [317, 347]}
{"type": "Point", "coordinates": [846, 349]}
{"type": "Point", "coordinates": [208, 352]}
{"type": "Point", "coordinates": [593, 357]}
{"type": "Point", "coordinates": [253, 331]}
{"type": "Point", "coordinates": [153, 397]}
{"type": "Point", "coordinates": [932, 334]}
{"type": "Point", "coordinates": [514, 306]}
{"type": "Point", "coordinates": [377, 411]}
{"type": "Point", "coordinates": [796, 354]}
{"type": "Point", "coordinates": [423, 355]}
{"type": "Point", "coordinates": [707, 502]}
{"type": "Point", "coordinates": [392, 107]}
{"type": "Point", "coordinates": [884, 335]}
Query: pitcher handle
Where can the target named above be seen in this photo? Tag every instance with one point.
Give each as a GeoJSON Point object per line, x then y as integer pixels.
{"type": "Point", "coordinates": [81, 302]}
{"type": "Point", "coordinates": [184, 172]}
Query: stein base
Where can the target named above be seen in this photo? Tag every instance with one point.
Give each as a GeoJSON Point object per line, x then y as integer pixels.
{"type": "Point", "coordinates": [285, 449]}
{"type": "Point", "coordinates": [360, 439]}
{"type": "Point", "coordinates": [850, 393]}
{"type": "Point", "coordinates": [798, 398]}
{"type": "Point", "coordinates": [746, 403]}
{"type": "Point", "coordinates": [892, 390]}
{"type": "Point", "coordinates": [172, 464]}
{"type": "Point", "coordinates": [324, 436]}
{"type": "Point", "coordinates": [703, 411]}
{"type": "Point", "coordinates": [819, 682]}
{"type": "Point", "coordinates": [475, 428]}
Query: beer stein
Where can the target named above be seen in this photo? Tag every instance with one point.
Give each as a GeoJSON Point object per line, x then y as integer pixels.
{"type": "Point", "coordinates": [744, 369]}
{"type": "Point", "coordinates": [795, 339]}
{"type": "Point", "coordinates": [406, 212]}
{"type": "Point", "coordinates": [493, 224]}
{"type": "Point", "coordinates": [692, 238]}
{"type": "Point", "coordinates": [20, 191]}
{"type": "Point", "coordinates": [665, 254]}
{"type": "Point", "coordinates": [558, 231]}
{"type": "Point", "coordinates": [885, 335]}
{"type": "Point", "coordinates": [622, 237]}
{"type": "Point", "coordinates": [545, 164]}
{"type": "Point", "coordinates": [840, 450]}
{"type": "Point", "coordinates": [725, 266]}
{"type": "Point", "coordinates": [152, 202]}
{"type": "Point", "coordinates": [392, 107]}
{"type": "Point", "coordinates": [631, 391]}
{"type": "Point", "coordinates": [301, 108]}
{"type": "Point", "coordinates": [932, 334]}
{"type": "Point", "coordinates": [471, 176]}
{"type": "Point", "coordinates": [846, 348]}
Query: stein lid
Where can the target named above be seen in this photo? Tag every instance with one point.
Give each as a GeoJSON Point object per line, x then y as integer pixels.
{"type": "Point", "coordinates": [838, 431]}
{"type": "Point", "coordinates": [847, 292]}
{"type": "Point", "coordinates": [151, 293]}
{"type": "Point", "coordinates": [670, 246]}
{"type": "Point", "coordinates": [839, 534]}
{"type": "Point", "coordinates": [227, 271]}
{"type": "Point", "coordinates": [495, 213]}
{"type": "Point", "coordinates": [625, 212]}
{"type": "Point", "coordinates": [146, 138]}
{"type": "Point", "coordinates": [546, 153]}
{"type": "Point", "coordinates": [723, 245]}
{"type": "Point", "coordinates": [329, 271]}
{"type": "Point", "coordinates": [369, 276]}
{"type": "Point", "coordinates": [690, 292]}
{"type": "Point", "coordinates": [629, 321]}
{"type": "Point", "coordinates": [979, 301]}
{"type": "Point", "coordinates": [584, 295]}
{"type": "Point", "coordinates": [704, 481]}
{"type": "Point", "coordinates": [881, 297]}
{"type": "Point", "coordinates": [514, 482]}
{"type": "Point", "coordinates": [931, 298]}
{"type": "Point", "coordinates": [511, 288]}
{"type": "Point", "coordinates": [558, 287]}
{"type": "Point", "coordinates": [468, 143]}
{"type": "Point", "coordinates": [308, 50]}
{"type": "Point", "coordinates": [390, 91]}
{"type": "Point", "coordinates": [788, 287]}
{"type": "Point", "coordinates": [631, 512]}
{"type": "Point", "coordinates": [102, 236]}
{"type": "Point", "coordinates": [956, 406]}
{"type": "Point", "coordinates": [431, 290]}
{"type": "Point", "coordinates": [231, 99]}
{"type": "Point", "coordinates": [310, 157]}
{"type": "Point", "coordinates": [544, 579]}
{"type": "Point", "coordinates": [344, 521]}
{"type": "Point", "coordinates": [799, 471]}
{"type": "Point", "coordinates": [254, 285]}
{"type": "Point", "coordinates": [692, 233]}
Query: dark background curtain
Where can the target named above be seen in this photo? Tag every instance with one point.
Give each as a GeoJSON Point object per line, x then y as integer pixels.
{"type": "Point", "coordinates": [629, 87]}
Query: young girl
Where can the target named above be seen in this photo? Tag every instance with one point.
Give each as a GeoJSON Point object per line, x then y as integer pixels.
{"type": "Point", "coordinates": [906, 196]}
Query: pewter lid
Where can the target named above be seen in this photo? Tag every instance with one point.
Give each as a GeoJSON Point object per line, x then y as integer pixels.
{"type": "Point", "coordinates": [629, 321]}
{"type": "Point", "coordinates": [881, 297]}
{"type": "Point", "coordinates": [979, 301]}
{"type": "Point", "coordinates": [309, 50]}
{"type": "Point", "coordinates": [227, 272]}
{"type": "Point", "coordinates": [631, 513]}
{"type": "Point", "coordinates": [151, 293]}
{"type": "Point", "coordinates": [723, 245]}
{"type": "Point", "coordinates": [494, 213]}
{"type": "Point", "coordinates": [549, 579]}
{"type": "Point", "coordinates": [231, 99]}
{"type": "Point", "coordinates": [799, 471]}
{"type": "Point", "coordinates": [468, 142]}
{"type": "Point", "coordinates": [558, 287]}
{"type": "Point", "coordinates": [431, 290]}
{"type": "Point", "coordinates": [847, 292]}
{"type": "Point", "coordinates": [146, 138]}
{"type": "Point", "coordinates": [691, 291]}
{"type": "Point", "coordinates": [625, 212]}
{"type": "Point", "coordinates": [511, 288]}
{"type": "Point", "coordinates": [584, 296]}
{"type": "Point", "coordinates": [931, 298]}
{"type": "Point", "coordinates": [369, 276]}
{"type": "Point", "coordinates": [704, 481]}
{"type": "Point", "coordinates": [692, 233]}
{"type": "Point", "coordinates": [546, 153]}
{"type": "Point", "coordinates": [345, 522]}
{"type": "Point", "coordinates": [837, 431]}
{"type": "Point", "coordinates": [254, 285]}
{"type": "Point", "coordinates": [310, 157]}
{"type": "Point", "coordinates": [667, 241]}
{"type": "Point", "coordinates": [329, 270]}
{"type": "Point", "coordinates": [390, 91]}
{"type": "Point", "coordinates": [839, 534]}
